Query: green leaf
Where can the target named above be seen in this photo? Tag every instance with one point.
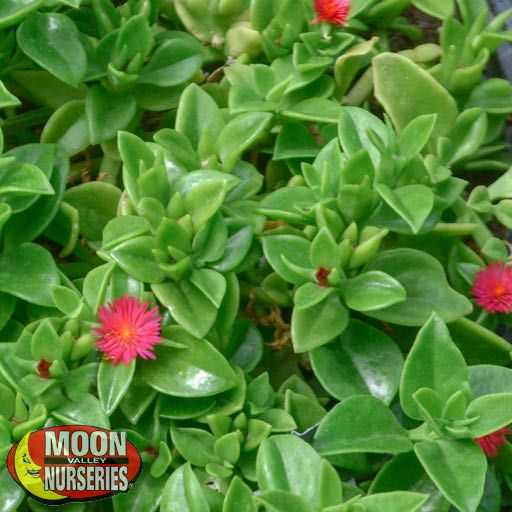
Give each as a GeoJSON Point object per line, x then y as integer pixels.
{"type": "Point", "coordinates": [405, 473]}
{"type": "Point", "coordinates": [427, 289]}
{"type": "Point", "coordinates": [399, 501]}
{"type": "Point", "coordinates": [183, 493]}
{"type": "Point", "coordinates": [46, 343]}
{"type": "Point", "coordinates": [146, 495]}
{"type": "Point", "coordinates": [362, 361]}
{"type": "Point", "coordinates": [87, 410]}
{"type": "Point", "coordinates": [107, 113]}
{"type": "Point", "coordinates": [415, 135]}
{"type": "Point", "coordinates": [493, 96]}
{"type": "Point", "coordinates": [7, 99]}
{"type": "Point", "coordinates": [324, 250]}
{"type": "Point", "coordinates": [66, 299]}
{"type": "Point", "coordinates": [188, 305]}
{"type": "Point", "coordinates": [295, 141]}
{"type": "Point", "coordinates": [487, 379]}
{"type": "Point", "coordinates": [371, 291]}
{"type": "Point", "coordinates": [361, 424]}
{"type": "Point", "coordinates": [52, 41]}
{"type": "Point", "coordinates": [458, 469]}
{"type": "Point", "coordinates": [441, 9]}
{"type": "Point", "coordinates": [236, 249]}
{"type": "Point", "coordinates": [22, 179]}
{"type": "Point", "coordinates": [113, 382]}
{"type": "Point", "coordinates": [174, 62]}
{"type": "Point", "coordinates": [29, 273]}
{"type": "Point", "coordinates": [413, 203]}
{"type": "Point", "coordinates": [12, 11]}
{"type": "Point", "coordinates": [96, 203]}
{"type": "Point", "coordinates": [493, 412]}
{"type": "Point", "coordinates": [136, 258]}
{"type": "Point", "coordinates": [197, 115]}
{"type": "Point", "coordinates": [434, 362]}
{"type": "Point", "coordinates": [288, 464]}
{"type": "Point", "coordinates": [194, 445]}
{"type": "Point", "coordinates": [134, 154]}
{"type": "Point", "coordinates": [204, 199]}
{"type": "Point", "coordinates": [239, 497]}
{"type": "Point", "coordinates": [280, 501]}
{"type": "Point", "coordinates": [419, 94]}
{"type": "Point", "coordinates": [240, 134]}
{"type": "Point", "coordinates": [295, 249]}
{"type": "Point", "coordinates": [318, 324]}
{"type": "Point", "coordinates": [354, 130]}
{"type": "Point", "coordinates": [12, 495]}
{"type": "Point", "coordinates": [196, 371]}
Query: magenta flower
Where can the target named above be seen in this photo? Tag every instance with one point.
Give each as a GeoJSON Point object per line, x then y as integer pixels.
{"type": "Point", "coordinates": [492, 443]}
{"type": "Point", "coordinates": [128, 329]}
{"type": "Point", "coordinates": [492, 288]}
{"type": "Point", "coordinates": [334, 12]}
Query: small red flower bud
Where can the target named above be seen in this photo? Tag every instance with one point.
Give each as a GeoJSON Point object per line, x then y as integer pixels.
{"type": "Point", "coordinates": [334, 12]}
{"type": "Point", "coordinates": [492, 443]}
{"type": "Point", "coordinates": [322, 275]}
{"type": "Point", "coordinates": [43, 369]}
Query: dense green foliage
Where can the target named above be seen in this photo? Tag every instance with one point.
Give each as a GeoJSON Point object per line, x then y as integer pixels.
{"type": "Point", "coordinates": [307, 205]}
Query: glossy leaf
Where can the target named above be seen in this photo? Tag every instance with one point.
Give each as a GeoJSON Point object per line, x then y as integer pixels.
{"type": "Point", "coordinates": [363, 360]}
{"type": "Point", "coordinates": [361, 424]}
{"type": "Point", "coordinates": [196, 371]}
{"type": "Point", "coordinates": [52, 40]}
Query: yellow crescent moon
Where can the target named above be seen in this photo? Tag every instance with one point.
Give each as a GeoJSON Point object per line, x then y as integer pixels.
{"type": "Point", "coordinates": [28, 472]}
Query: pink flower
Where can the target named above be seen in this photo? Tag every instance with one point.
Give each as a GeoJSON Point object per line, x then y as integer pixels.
{"type": "Point", "coordinates": [492, 443]}
{"type": "Point", "coordinates": [492, 288]}
{"type": "Point", "coordinates": [128, 329]}
{"type": "Point", "coordinates": [334, 12]}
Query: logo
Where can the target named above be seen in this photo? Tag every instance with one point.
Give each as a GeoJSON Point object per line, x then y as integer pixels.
{"type": "Point", "coordinates": [56, 465]}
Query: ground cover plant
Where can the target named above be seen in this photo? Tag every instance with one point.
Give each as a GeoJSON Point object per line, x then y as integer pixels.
{"type": "Point", "coordinates": [266, 238]}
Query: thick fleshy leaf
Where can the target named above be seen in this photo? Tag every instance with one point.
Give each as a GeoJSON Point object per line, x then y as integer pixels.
{"type": "Point", "coordinates": [493, 412]}
{"type": "Point", "coordinates": [287, 463]}
{"type": "Point", "coordinates": [371, 291]}
{"type": "Point", "coordinates": [399, 501]}
{"type": "Point", "coordinates": [434, 362]}
{"type": "Point", "coordinates": [52, 41]}
{"type": "Point", "coordinates": [413, 203]}
{"type": "Point", "coordinates": [96, 203]}
{"type": "Point", "coordinates": [363, 360]}
{"type": "Point", "coordinates": [240, 134]}
{"type": "Point", "coordinates": [29, 272]}
{"type": "Point", "coordinates": [239, 497]}
{"type": "Point", "coordinates": [405, 473]}
{"type": "Point", "coordinates": [196, 371]}
{"type": "Point", "coordinates": [183, 493]}
{"type": "Point", "coordinates": [427, 288]}
{"type": "Point", "coordinates": [361, 424]}
{"type": "Point", "coordinates": [188, 305]}
{"type": "Point", "coordinates": [86, 410]}
{"type": "Point", "coordinates": [486, 379]}
{"type": "Point", "coordinates": [458, 469]}
{"type": "Point", "coordinates": [113, 382]}
{"type": "Point", "coordinates": [107, 113]}
{"type": "Point", "coordinates": [136, 258]}
{"type": "Point", "coordinates": [419, 94]}
{"type": "Point", "coordinates": [174, 62]}
{"type": "Point", "coordinates": [146, 495]}
{"type": "Point", "coordinates": [295, 249]}
{"type": "Point", "coordinates": [319, 324]}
